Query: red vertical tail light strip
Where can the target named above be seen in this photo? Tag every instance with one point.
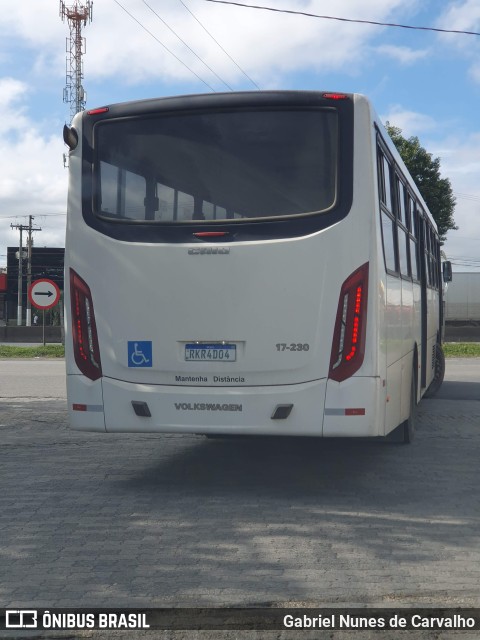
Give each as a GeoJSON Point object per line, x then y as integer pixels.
{"type": "Point", "coordinates": [84, 329]}
{"type": "Point", "coordinates": [348, 347]}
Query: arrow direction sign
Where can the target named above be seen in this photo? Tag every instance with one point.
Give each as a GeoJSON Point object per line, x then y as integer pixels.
{"type": "Point", "coordinates": [44, 294]}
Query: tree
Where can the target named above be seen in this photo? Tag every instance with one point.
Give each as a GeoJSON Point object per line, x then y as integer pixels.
{"type": "Point", "coordinates": [425, 170]}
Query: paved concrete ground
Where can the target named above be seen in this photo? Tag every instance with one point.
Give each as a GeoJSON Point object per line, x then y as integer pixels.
{"type": "Point", "coordinates": [159, 520]}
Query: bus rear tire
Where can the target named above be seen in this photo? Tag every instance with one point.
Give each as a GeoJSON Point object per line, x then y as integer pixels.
{"type": "Point", "coordinates": [439, 372]}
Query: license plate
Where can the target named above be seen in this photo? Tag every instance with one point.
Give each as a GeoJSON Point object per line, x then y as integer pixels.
{"type": "Point", "coordinates": [211, 352]}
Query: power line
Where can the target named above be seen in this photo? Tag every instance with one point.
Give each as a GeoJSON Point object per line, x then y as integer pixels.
{"type": "Point", "coordinates": [467, 258]}
{"type": "Point", "coordinates": [374, 22]}
{"type": "Point", "coordinates": [36, 214]}
{"type": "Point", "coordinates": [188, 47]}
{"type": "Point", "coordinates": [466, 264]}
{"type": "Point", "coordinates": [164, 46]}
{"type": "Point", "coordinates": [216, 42]}
{"type": "Point", "coordinates": [467, 196]}
{"type": "Point", "coordinates": [45, 215]}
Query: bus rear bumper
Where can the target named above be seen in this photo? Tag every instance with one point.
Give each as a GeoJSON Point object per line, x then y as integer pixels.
{"type": "Point", "coordinates": [316, 408]}
{"type": "Point", "coordinates": [215, 410]}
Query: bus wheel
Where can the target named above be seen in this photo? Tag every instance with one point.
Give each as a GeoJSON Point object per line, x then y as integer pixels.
{"type": "Point", "coordinates": [439, 372]}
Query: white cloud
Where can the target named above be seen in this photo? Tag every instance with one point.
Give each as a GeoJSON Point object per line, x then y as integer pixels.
{"type": "Point", "coordinates": [474, 72]}
{"type": "Point", "coordinates": [410, 122]}
{"type": "Point", "coordinates": [460, 158]}
{"type": "Point", "coordinates": [37, 22]}
{"type": "Point", "coordinates": [32, 177]}
{"type": "Point", "coordinates": [460, 163]}
{"type": "Point", "coordinates": [12, 110]}
{"type": "Point", "coordinates": [265, 44]}
{"type": "Point", "coordinates": [464, 16]}
{"type": "Point", "coordinates": [403, 55]}
{"type": "Point", "coordinates": [34, 25]}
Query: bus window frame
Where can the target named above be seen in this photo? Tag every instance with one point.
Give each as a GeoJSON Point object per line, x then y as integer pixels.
{"type": "Point", "coordinates": [264, 228]}
{"type": "Point", "coordinates": [431, 240]}
{"type": "Point", "coordinates": [383, 159]}
{"type": "Point", "coordinates": [401, 187]}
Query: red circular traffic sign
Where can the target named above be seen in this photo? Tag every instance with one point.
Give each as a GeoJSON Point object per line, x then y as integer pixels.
{"type": "Point", "coordinates": [44, 293]}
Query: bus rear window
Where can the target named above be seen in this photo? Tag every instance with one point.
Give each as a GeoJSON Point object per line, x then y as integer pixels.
{"type": "Point", "coordinates": [227, 165]}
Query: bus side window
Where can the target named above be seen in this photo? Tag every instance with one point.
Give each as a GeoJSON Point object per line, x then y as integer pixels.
{"type": "Point", "coordinates": [435, 264]}
{"type": "Point", "coordinates": [403, 251]}
{"type": "Point", "coordinates": [134, 196]}
{"type": "Point", "coordinates": [122, 193]}
{"type": "Point", "coordinates": [167, 202]}
{"type": "Point", "coordinates": [386, 190]}
{"type": "Point", "coordinates": [403, 242]}
{"type": "Point", "coordinates": [412, 229]}
{"type": "Point", "coordinates": [402, 211]}
{"type": "Point", "coordinates": [388, 230]}
{"type": "Point", "coordinates": [186, 206]}
{"type": "Point", "coordinates": [427, 255]}
{"type": "Point", "coordinates": [108, 190]}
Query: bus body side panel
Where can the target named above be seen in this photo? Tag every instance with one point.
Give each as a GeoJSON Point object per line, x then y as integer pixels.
{"type": "Point", "coordinates": [401, 326]}
{"type": "Point", "coordinates": [408, 312]}
{"type": "Point", "coordinates": [433, 321]}
{"type": "Point", "coordinates": [394, 348]}
{"type": "Point", "coordinates": [417, 330]}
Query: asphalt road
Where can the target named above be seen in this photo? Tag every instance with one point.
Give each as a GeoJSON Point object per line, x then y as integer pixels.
{"type": "Point", "coordinates": [180, 520]}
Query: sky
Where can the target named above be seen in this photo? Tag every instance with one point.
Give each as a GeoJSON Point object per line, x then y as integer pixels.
{"type": "Point", "coordinates": [425, 82]}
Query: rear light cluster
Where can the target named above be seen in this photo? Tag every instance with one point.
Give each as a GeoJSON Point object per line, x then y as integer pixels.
{"type": "Point", "coordinates": [84, 329]}
{"type": "Point", "coordinates": [210, 234]}
{"type": "Point", "coordinates": [96, 112]}
{"type": "Point", "coordinates": [348, 348]}
{"type": "Point", "coordinates": [335, 96]}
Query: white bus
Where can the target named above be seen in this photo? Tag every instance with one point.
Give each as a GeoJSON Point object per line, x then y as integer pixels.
{"type": "Point", "coordinates": [247, 263]}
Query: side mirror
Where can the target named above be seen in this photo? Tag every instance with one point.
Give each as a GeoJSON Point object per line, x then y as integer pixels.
{"type": "Point", "coordinates": [70, 137]}
{"type": "Point", "coordinates": [447, 271]}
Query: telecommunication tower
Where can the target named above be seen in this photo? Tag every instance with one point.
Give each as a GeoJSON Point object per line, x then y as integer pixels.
{"type": "Point", "coordinates": [77, 17]}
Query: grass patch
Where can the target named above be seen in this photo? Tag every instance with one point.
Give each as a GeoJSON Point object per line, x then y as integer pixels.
{"type": "Point", "coordinates": [451, 349]}
{"type": "Point", "coordinates": [47, 351]}
{"type": "Point", "coordinates": [461, 349]}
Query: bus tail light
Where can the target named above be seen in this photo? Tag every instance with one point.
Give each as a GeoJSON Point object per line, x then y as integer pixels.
{"type": "Point", "coordinates": [335, 96]}
{"type": "Point", "coordinates": [84, 329]}
{"type": "Point", "coordinates": [348, 348]}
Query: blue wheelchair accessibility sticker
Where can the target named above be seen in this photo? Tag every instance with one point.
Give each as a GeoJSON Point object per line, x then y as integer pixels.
{"type": "Point", "coordinates": [140, 353]}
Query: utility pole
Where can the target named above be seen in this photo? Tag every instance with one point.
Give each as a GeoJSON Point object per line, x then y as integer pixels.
{"type": "Point", "coordinates": [29, 268]}
{"type": "Point", "coordinates": [20, 272]}
{"type": "Point", "coordinates": [77, 17]}
{"type": "Point", "coordinates": [22, 228]}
